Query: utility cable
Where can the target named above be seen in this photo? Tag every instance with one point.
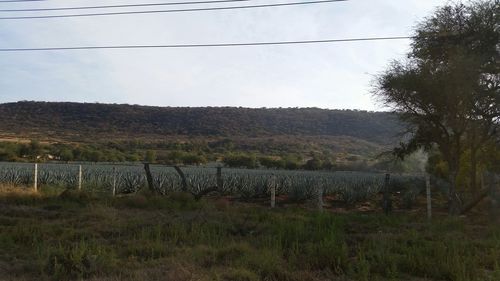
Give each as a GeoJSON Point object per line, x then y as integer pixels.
{"type": "Point", "coordinates": [206, 45]}
{"type": "Point", "coordinates": [172, 11]}
{"type": "Point", "coordinates": [121, 6]}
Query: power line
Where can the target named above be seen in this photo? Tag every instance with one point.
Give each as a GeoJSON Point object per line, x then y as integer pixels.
{"type": "Point", "coordinates": [172, 11]}
{"type": "Point", "coordinates": [9, 1]}
{"type": "Point", "coordinates": [120, 6]}
{"type": "Point", "coordinates": [206, 45]}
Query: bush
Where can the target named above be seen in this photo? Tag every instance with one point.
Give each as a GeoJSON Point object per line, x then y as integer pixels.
{"type": "Point", "coordinates": [241, 161]}
{"type": "Point", "coordinates": [82, 260]}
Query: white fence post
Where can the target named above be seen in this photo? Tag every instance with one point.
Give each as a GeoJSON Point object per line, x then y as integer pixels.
{"type": "Point", "coordinates": [114, 181]}
{"type": "Point", "coordinates": [320, 198]}
{"type": "Point", "coordinates": [80, 177]}
{"type": "Point", "coordinates": [273, 191]}
{"type": "Point", "coordinates": [35, 180]}
{"type": "Point", "coordinates": [428, 192]}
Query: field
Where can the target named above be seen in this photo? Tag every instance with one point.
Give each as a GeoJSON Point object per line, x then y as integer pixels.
{"type": "Point", "coordinates": [82, 236]}
{"type": "Point", "coordinates": [62, 233]}
{"type": "Point", "coordinates": [349, 187]}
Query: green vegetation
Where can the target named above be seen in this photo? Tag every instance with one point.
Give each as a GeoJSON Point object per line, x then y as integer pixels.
{"type": "Point", "coordinates": [297, 186]}
{"type": "Point", "coordinates": [68, 121]}
{"type": "Point", "coordinates": [281, 138]}
{"type": "Point", "coordinates": [283, 156]}
{"type": "Point", "coordinates": [76, 236]}
{"type": "Point", "coordinates": [447, 92]}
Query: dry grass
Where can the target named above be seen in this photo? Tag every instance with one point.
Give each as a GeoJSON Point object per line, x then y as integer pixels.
{"type": "Point", "coordinates": [10, 192]}
{"type": "Point", "coordinates": [78, 237]}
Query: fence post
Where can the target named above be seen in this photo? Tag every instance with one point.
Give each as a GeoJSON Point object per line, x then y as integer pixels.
{"type": "Point", "coordinates": [114, 181]}
{"type": "Point", "coordinates": [220, 183]}
{"type": "Point", "coordinates": [320, 198]}
{"type": "Point", "coordinates": [35, 180]}
{"type": "Point", "coordinates": [149, 178]}
{"type": "Point", "coordinates": [272, 186]}
{"type": "Point", "coordinates": [386, 203]}
{"type": "Point", "coordinates": [183, 178]}
{"type": "Point", "coordinates": [428, 193]}
{"type": "Point", "coordinates": [79, 177]}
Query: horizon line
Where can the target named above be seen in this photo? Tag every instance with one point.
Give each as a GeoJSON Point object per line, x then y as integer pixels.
{"type": "Point", "coordinates": [188, 106]}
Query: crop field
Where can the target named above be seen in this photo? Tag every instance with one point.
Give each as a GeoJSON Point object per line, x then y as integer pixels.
{"type": "Point", "coordinates": [61, 233]}
{"type": "Point", "coordinates": [350, 187]}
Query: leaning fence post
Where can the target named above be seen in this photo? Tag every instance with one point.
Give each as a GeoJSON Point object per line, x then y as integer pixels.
{"type": "Point", "coordinates": [183, 178]}
{"type": "Point", "coordinates": [386, 203]}
{"type": "Point", "coordinates": [428, 192]}
{"type": "Point", "coordinates": [149, 177]}
{"type": "Point", "coordinates": [80, 177]}
{"type": "Point", "coordinates": [35, 180]}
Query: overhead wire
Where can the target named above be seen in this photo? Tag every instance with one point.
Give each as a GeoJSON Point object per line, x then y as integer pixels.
{"type": "Point", "coordinates": [172, 10]}
{"type": "Point", "coordinates": [9, 1]}
{"type": "Point", "coordinates": [174, 46]}
{"type": "Point", "coordinates": [122, 6]}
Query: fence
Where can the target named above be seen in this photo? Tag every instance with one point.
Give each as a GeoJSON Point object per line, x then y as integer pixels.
{"type": "Point", "coordinates": [299, 185]}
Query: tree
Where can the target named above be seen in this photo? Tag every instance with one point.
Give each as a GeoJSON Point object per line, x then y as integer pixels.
{"type": "Point", "coordinates": [31, 150]}
{"type": "Point", "coordinates": [66, 154]}
{"type": "Point", "coordinates": [447, 90]}
{"type": "Point", "coordinates": [313, 164]}
{"type": "Point", "coordinates": [241, 160]}
{"type": "Point", "coordinates": [150, 156]}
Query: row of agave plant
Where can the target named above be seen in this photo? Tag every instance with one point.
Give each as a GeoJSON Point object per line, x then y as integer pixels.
{"type": "Point", "coordinates": [349, 187]}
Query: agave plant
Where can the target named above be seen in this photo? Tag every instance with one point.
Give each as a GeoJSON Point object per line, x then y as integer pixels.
{"type": "Point", "coordinates": [298, 185]}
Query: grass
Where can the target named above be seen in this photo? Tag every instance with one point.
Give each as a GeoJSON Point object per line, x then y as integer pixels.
{"type": "Point", "coordinates": [77, 236]}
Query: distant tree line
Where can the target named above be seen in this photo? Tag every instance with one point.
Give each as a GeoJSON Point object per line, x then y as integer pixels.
{"type": "Point", "coordinates": [78, 121]}
{"type": "Point", "coordinates": [179, 154]}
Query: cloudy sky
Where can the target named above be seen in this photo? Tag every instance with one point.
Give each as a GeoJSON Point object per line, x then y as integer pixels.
{"type": "Point", "coordinates": [323, 75]}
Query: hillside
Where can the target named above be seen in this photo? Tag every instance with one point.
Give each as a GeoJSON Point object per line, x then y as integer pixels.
{"type": "Point", "coordinates": [83, 121]}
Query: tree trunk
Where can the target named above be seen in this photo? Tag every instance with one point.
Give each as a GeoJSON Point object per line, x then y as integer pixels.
{"type": "Point", "coordinates": [473, 170]}
{"type": "Point", "coordinates": [493, 185]}
{"type": "Point", "coordinates": [479, 197]}
{"type": "Point", "coordinates": [473, 161]}
{"type": "Point", "coordinates": [454, 202]}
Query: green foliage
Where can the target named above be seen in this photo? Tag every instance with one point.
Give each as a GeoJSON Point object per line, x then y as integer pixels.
{"type": "Point", "coordinates": [241, 161]}
{"type": "Point", "coordinates": [313, 164]}
{"type": "Point", "coordinates": [447, 88]}
{"type": "Point", "coordinates": [108, 240]}
{"type": "Point", "coordinates": [182, 157]}
{"type": "Point", "coordinates": [70, 119]}
{"type": "Point", "coordinates": [272, 163]}
{"type": "Point", "coordinates": [82, 260]}
{"type": "Point", "coordinates": [66, 154]}
{"type": "Point", "coordinates": [351, 187]}
{"type": "Point", "coordinates": [150, 156]}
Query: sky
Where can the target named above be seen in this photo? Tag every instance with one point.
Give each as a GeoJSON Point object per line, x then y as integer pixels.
{"type": "Point", "coordinates": [334, 76]}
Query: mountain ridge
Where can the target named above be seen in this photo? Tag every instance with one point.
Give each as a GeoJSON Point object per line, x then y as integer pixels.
{"type": "Point", "coordinates": [82, 120]}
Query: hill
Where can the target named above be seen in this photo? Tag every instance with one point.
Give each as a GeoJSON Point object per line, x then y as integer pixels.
{"type": "Point", "coordinates": [279, 137]}
{"type": "Point", "coordinates": [83, 121]}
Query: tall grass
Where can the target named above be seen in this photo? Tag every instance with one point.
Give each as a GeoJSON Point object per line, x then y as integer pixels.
{"type": "Point", "coordinates": [76, 237]}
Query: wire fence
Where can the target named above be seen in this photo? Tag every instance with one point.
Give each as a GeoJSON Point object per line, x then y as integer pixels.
{"type": "Point", "coordinates": [110, 178]}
